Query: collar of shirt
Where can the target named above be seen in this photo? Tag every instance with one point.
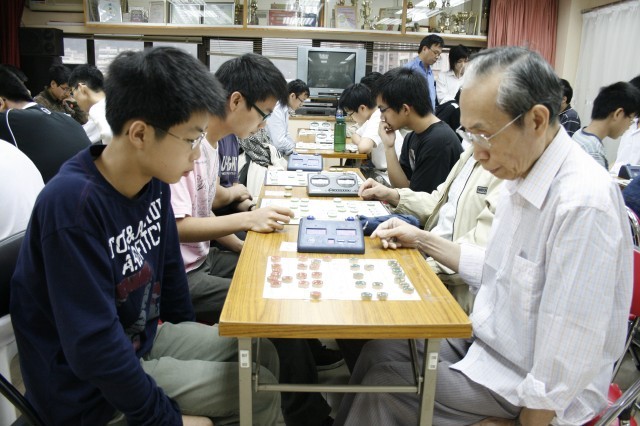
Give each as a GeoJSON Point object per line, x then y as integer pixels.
{"type": "Point", "coordinates": [535, 186]}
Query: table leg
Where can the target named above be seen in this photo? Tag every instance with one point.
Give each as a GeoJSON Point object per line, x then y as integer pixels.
{"type": "Point", "coordinates": [428, 385]}
{"type": "Point", "coordinates": [245, 368]}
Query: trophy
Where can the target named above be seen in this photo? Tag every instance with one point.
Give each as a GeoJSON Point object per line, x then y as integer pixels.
{"type": "Point", "coordinates": [365, 12]}
{"type": "Point", "coordinates": [462, 18]}
{"type": "Point", "coordinates": [445, 23]}
{"type": "Point", "coordinates": [253, 15]}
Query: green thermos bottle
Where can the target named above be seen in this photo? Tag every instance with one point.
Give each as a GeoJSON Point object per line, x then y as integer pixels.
{"type": "Point", "coordinates": [339, 132]}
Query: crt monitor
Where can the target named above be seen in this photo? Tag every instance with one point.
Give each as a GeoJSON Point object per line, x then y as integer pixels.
{"type": "Point", "coordinates": [328, 71]}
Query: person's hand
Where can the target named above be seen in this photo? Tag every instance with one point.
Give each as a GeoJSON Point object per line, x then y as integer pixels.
{"type": "Point", "coordinates": [196, 421]}
{"type": "Point", "coordinates": [239, 193]}
{"type": "Point", "coordinates": [270, 218]}
{"type": "Point", "coordinates": [373, 190]}
{"type": "Point", "coordinates": [396, 233]}
{"type": "Point", "coordinates": [387, 134]}
{"type": "Point", "coordinates": [246, 205]}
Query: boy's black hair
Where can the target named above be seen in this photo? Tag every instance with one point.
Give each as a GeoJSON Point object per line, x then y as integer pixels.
{"type": "Point", "coordinates": [162, 86]}
{"type": "Point", "coordinates": [89, 75]}
{"type": "Point", "coordinates": [635, 82]}
{"type": "Point", "coordinates": [567, 90]}
{"type": "Point", "coordinates": [298, 88]}
{"type": "Point", "coordinates": [59, 73]}
{"type": "Point", "coordinates": [255, 77]}
{"type": "Point", "coordinates": [618, 95]}
{"type": "Point", "coordinates": [404, 86]}
{"type": "Point", "coordinates": [355, 95]}
{"type": "Point", "coordinates": [11, 87]}
{"type": "Point", "coordinates": [370, 79]}
{"type": "Point", "coordinates": [457, 53]}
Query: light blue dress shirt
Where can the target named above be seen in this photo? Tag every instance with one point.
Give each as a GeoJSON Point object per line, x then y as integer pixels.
{"type": "Point", "coordinates": [418, 65]}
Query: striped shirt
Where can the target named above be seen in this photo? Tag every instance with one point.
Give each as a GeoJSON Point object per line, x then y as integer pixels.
{"type": "Point", "coordinates": [592, 145]}
{"type": "Point", "coordinates": [570, 120]}
{"type": "Point", "coordinates": [555, 285]}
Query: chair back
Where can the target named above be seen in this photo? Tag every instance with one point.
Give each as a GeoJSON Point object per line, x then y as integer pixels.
{"type": "Point", "coordinates": [9, 249]}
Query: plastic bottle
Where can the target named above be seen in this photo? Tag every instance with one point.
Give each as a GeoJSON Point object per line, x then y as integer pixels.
{"type": "Point", "coordinates": [339, 132]}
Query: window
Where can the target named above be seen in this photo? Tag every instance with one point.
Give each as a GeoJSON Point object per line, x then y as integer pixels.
{"type": "Point", "coordinates": [107, 50]}
{"type": "Point", "coordinates": [387, 56]}
{"type": "Point", "coordinates": [190, 48]}
{"type": "Point", "coordinates": [284, 54]}
{"type": "Point", "coordinates": [75, 51]}
{"type": "Point", "coordinates": [221, 50]}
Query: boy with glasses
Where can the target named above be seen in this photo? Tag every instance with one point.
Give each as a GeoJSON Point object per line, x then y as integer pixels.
{"type": "Point", "coordinates": [431, 149]}
{"type": "Point", "coordinates": [278, 124]}
{"type": "Point", "coordinates": [100, 266]}
{"type": "Point", "coordinates": [56, 96]}
{"type": "Point", "coordinates": [429, 51]}
{"type": "Point", "coordinates": [359, 104]}
{"type": "Point", "coordinates": [253, 85]}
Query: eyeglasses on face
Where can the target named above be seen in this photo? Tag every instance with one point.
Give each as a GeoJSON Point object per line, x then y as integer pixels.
{"type": "Point", "coordinates": [349, 114]}
{"type": "Point", "coordinates": [194, 142]}
{"type": "Point", "coordinates": [300, 99]}
{"type": "Point", "coordinates": [480, 139]}
{"type": "Point", "coordinates": [436, 52]}
{"type": "Point", "coordinates": [252, 105]}
{"type": "Point", "coordinates": [383, 109]}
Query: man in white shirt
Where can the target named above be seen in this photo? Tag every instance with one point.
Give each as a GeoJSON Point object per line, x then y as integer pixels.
{"type": "Point", "coordinates": [278, 122]}
{"type": "Point", "coordinates": [20, 184]}
{"type": "Point", "coordinates": [358, 103]}
{"type": "Point", "coordinates": [87, 88]}
{"type": "Point", "coordinates": [554, 282]}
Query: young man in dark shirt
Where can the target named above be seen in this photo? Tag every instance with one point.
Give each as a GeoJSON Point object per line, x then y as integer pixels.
{"type": "Point", "coordinates": [100, 266]}
{"type": "Point", "coordinates": [431, 149]}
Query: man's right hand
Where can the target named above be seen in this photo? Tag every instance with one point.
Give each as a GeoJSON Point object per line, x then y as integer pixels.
{"type": "Point", "coordinates": [372, 190]}
{"type": "Point", "coordinates": [387, 135]}
{"type": "Point", "coordinates": [269, 219]}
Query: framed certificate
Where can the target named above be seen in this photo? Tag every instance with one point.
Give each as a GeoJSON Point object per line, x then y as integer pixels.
{"type": "Point", "coordinates": [345, 17]}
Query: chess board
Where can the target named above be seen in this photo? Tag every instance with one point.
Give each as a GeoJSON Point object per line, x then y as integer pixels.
{"type": "Point", "coordinates": [336, 209]}
{"type": "Point", "coordinates": [322, 277]}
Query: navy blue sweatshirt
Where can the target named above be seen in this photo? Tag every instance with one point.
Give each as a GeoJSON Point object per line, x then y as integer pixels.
{"type": "Point", "coordinates": [95, 274]}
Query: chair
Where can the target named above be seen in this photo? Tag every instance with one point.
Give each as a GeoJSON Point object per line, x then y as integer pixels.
{"type": "Point", "coordinates": [621, 403]}
{"type": "Point", "coordinates": [9, 249]}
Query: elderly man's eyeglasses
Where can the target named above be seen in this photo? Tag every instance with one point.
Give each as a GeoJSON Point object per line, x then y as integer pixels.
{"type": "Point", "coordinates": [480, 139]}
{"type": "Point", "coordinates": [194, 142]}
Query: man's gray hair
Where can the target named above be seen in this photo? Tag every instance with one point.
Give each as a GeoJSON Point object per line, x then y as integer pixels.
{"type": "Point", "coordinates": [526, 79]}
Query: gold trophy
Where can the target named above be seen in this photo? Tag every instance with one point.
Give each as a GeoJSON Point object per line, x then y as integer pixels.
{"type": "Point", "coordinates": [462, 18]}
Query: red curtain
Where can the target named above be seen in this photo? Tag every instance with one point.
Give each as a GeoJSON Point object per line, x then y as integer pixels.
{"type": "Point", "coordinates": [10, 16]}
{"type": "Point", "coordinates": [531, 24]}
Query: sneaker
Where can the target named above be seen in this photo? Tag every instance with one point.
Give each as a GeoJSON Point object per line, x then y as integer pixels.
{"type": "Point", "coordinates": [327, 359]}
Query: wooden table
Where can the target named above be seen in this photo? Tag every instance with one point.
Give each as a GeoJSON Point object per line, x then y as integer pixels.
{"type": "Point", "coordinates": [247, 315]}
{"type": "Point", "coordinates": [328, 153]}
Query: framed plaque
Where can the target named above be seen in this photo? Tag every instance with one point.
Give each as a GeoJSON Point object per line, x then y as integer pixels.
{"type": "Point", "coordinates": [345, 17]}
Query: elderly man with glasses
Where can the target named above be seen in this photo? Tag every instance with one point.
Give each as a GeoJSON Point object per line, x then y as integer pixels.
{"type": "Point", "coordinates": [429, 51]}
{"type": "Point", "coordinates": [554, 282]}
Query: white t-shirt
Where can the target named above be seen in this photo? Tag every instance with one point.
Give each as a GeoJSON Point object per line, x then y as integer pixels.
{"type": "Point", "coordinates": [629, 149]}
{"type": "Point", "coordinates": [447, 86]}
{"type": "Point", "coordinates": [193, 196]}
{"type": "Point", "coordinates": [369, 129]}
{"type": "Point", "coordinates": [20, 184]}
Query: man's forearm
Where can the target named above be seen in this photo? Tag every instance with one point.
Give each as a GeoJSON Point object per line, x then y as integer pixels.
{"type": "Point", "coordinates": [441, 250]}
